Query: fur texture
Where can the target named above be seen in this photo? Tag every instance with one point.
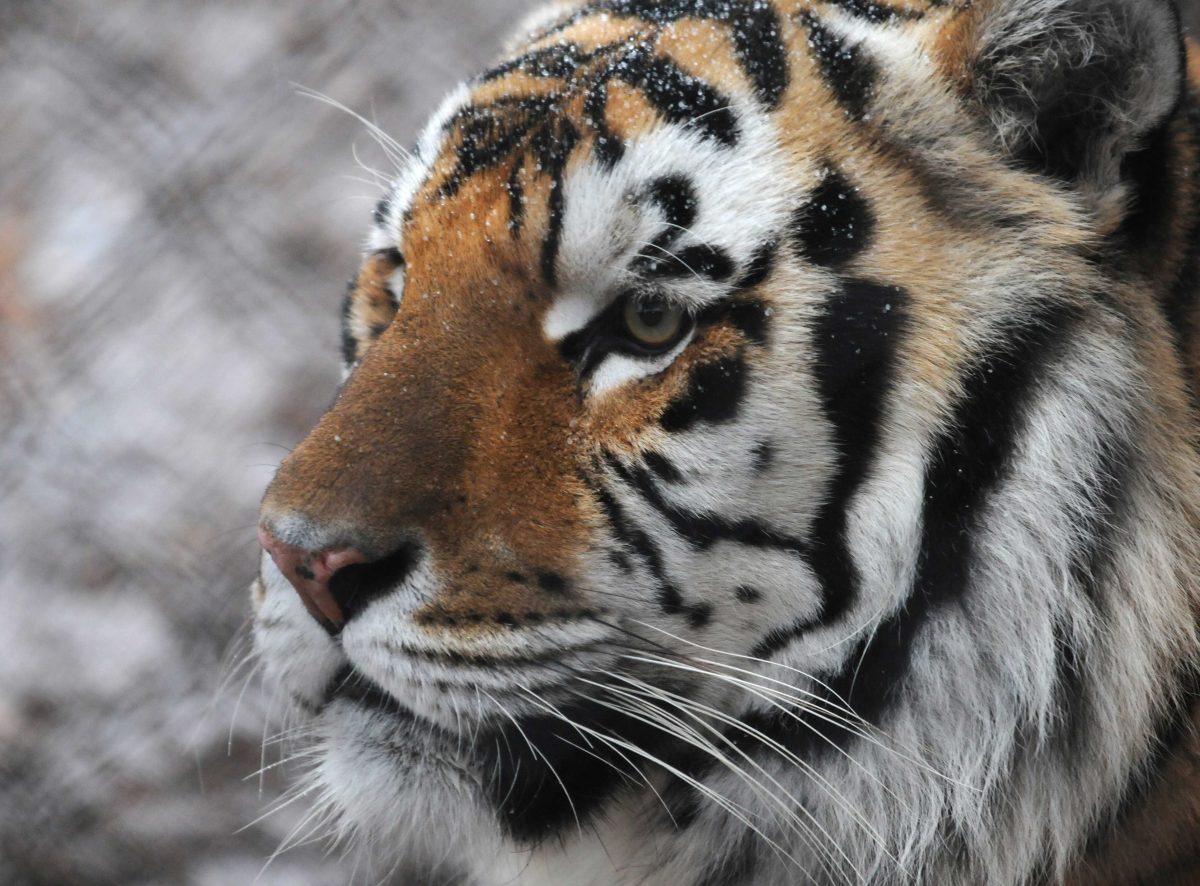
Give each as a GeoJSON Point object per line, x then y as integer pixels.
{"type": "Point", "coordinates": [882, 569]}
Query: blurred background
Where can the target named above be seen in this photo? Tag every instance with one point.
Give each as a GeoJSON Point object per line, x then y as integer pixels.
{"type": "Point", "coordinates": [177, 223]}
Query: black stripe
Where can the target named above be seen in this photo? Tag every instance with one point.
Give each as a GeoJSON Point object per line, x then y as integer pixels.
{"type": "Point", "coordinates": [676, 196]}
{"type": "Point", "coordinates": [608, 147]}
{"type": "Point", "coordinates": [702, 260]}
{"type": "Point", "coordinates": [855, 342]}
{"type": "Point", "coordinates": [490, 134]}
{"type": "Point", "coordinates": [678, 97]}
{"type": "Point", "coordinates": [558, 60]}
{"type": "Point", "coordinates": [748, 315]}
{"type": "Point", "coordinates": [759, 268]}
{"type": "Point", "coordinates": [662, 467]}
{"type": "Point", "coordinates": [834, 224]}
{"type": "Point", "coordinates": [849, 72]}
{"type": "Point", "coordinates": [754, 26]}
{"type": "Point", "coordinates": [382, 208]}
{"type": "Point", "coordinates": [968, 460]}
{"type": "Point", "coordinates": [552, 149]}
{"type": "Point", "coordinates": [349, 344]}
{"type": "Point", "coordinates": [877, 13]}
{"type": "Point", "coordinates": [701, 530]}
{"type": "Point", "coordinates": [516, 197]}
{"type": "Point", "coordinates": [714, 394]}
{"type": "Point", "coordinates": [670, 599]}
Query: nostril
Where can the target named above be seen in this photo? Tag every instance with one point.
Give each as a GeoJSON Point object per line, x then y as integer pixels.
{"type": "Point", "coordinates": [357, 583]}
{"type": "Point", "coordinates": [310, 573]}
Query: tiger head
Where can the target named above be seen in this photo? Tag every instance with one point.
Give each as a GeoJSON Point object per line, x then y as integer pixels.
{"type": "Point", "coordinates": [764, 447]}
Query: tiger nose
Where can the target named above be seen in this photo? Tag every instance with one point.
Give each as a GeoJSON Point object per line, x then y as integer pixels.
{"type": "Point", "coordinates": [311, 572]}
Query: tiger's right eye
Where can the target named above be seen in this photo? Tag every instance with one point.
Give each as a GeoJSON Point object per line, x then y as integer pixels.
{"type": "Point", "coordinates": [653, 323]}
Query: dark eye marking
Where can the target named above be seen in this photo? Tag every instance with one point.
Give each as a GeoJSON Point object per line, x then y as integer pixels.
{"type": "Point", "coordinates": [607, 333]}
{"type": "Point", "coordinates": [714, 394]}
{"type": "Point", "coordinates": [748, 315]}
{"type": "Point", "coordinates": [834, 225]}
{"type": "Point", "coordinates": [759, 268]}
{"type": "Point", "coordinates": [700, 261]}
{"type": "Point", "coordinates": [662, 467]}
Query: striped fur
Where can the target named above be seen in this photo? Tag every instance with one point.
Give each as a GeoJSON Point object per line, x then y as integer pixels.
{"type": "Point", "coordinates": [886, 569]}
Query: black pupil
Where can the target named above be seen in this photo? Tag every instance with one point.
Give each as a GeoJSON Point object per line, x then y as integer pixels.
{"type": "Point", "coordinates": [651, 314]}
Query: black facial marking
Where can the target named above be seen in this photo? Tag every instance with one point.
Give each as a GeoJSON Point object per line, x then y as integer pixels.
{"type": "Point", "coordinates": [349, 344]}
{"type": "Point", "coordinates": [392, 255]}
{"type": "Point", "coordinates": [553, 150]}
{"type": "Point", "coordinates": [558, 60]}
{"type": "Point", "coordinates": [382, 208]}
{"type": "Point", "coordinates": [877, 13]}
{"type": "Point", "coordinates": [679, 97]}
{"type": "Point", "coordinates": [755, 28]}
{"type": "Point", "coordinates": [760, 266]}
{"type": "Point", "coordinates": [692, 261]}
{"type": "Point", "coordinates": [855, 341]}
{"type": "Point", "coordinates": [553, 583]}
{"type": "Point", "coordinates": [516, 197]}
{"type": "Point", "coordinates": [1091, 561]}
{"type": "Point", "coordinates": [608, 147]}
{"type": "Point", "coordinates": [747, 594]}
{"type": "Point", "coordinates": [700, 614]}
{"type": "Point", "coordinates": [763, 455]}
{"type": "Point", "coordinates": [750, 316]}
{"type": "Point", "coordinates": [546, 771]}
{"type": "Point", "coordinates": [1179, 302]}
{"type": "Point", "coordinates": [670, 599]}
{"type": "Point", "coordinates": [676, 196]}
{"type": "Point", "coordinates": [662, 467]}
{"type": "Point", "coordinates": [493, 133]}
{"type": "Point", "coordinates": [703, 530]}
{"type": "Point", "coordinates": [847, 70]}
{"type": "Point", "coordinates": [969, 459]}
{"type": "Point", "coordinates": [621, 561]}
{"type": "Point", "coordinates": [714, 394]}
{"type": "Point", "coordinates": [834, 224]}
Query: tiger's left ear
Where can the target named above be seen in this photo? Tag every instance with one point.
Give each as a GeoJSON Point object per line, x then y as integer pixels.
{"type": "Point", "coordinates": [1072, 88]}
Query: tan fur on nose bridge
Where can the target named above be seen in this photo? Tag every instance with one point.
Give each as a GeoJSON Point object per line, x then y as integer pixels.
{"type": "Point", "coordinates": [456, 426]}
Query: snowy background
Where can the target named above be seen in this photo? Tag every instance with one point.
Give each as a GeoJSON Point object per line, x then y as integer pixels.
{"type": "Point", "coordinates": [177, 223]}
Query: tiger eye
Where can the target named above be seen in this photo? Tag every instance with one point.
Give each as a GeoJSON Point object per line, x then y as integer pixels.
{"type": "Point", "coordinates": [653, 322]}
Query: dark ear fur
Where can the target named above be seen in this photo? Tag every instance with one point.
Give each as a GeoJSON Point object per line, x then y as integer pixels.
{"type": "Point", "coordinates": [1072, 87]}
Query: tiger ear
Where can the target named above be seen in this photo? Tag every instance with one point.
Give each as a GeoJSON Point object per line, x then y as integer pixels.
{"type": "Point", "coordinates": [1073, 87]}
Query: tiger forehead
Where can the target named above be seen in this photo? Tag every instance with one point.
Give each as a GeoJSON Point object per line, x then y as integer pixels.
{"type": "Point", "coordinates": [609, 71]}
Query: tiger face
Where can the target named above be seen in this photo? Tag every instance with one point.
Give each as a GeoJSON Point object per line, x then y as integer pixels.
{"type": "Point", "coordinates": [740, 419]}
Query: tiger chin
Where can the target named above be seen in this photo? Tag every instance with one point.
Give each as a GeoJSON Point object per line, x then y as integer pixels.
{"type": "Point", "coordinates": [768, 455]}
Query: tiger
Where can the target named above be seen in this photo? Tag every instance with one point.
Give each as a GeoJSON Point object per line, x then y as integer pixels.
{"type": "Point", "coordinates": [767, 454]}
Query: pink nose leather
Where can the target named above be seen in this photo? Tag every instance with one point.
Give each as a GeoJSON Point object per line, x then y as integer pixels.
{"type": "Point", "coordinates": [310, 573]}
